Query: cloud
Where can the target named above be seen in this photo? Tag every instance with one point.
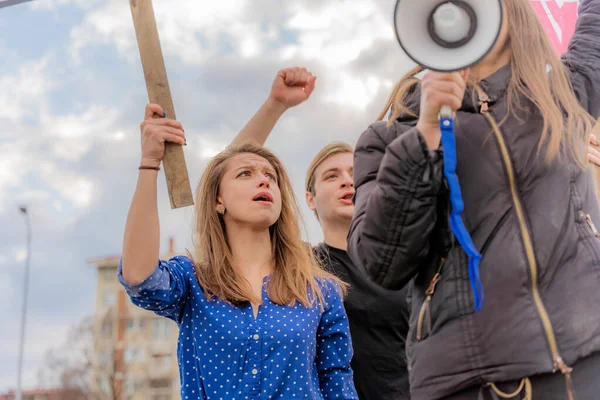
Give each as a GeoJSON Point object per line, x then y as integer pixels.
{"type": "Point", "coordinates": [336, 32]}
{"type": "Point", "coordinates": [10, 176]}
{"type": "Point", "coordinates": [72, 116]}
{"type": "Point", "coordinates": [331, 35]}
{"type": "Point", "coordinates": [54, 5]}
{"type": "Point", "coordinates": [79, 190]}
{"type": "Point", "coordinates": [41, 139]}
{"type": "Point", "coordinates": [60, 141]}
{"type": "Point", "coordinates": [20, 92]}
{"type": "Point", "coordinates": [194, 32]}
{"type": "Point", "coordinates": [74, 134]}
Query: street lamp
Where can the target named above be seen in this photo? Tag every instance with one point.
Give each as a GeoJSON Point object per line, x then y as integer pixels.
{"type": "Point", "coordinates": [24, 310]}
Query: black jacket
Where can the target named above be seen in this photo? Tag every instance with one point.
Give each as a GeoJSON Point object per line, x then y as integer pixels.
{"type": "Point", "coordinates": [533, 223]}
{"type": "Point", "coordinates": [378, 320]}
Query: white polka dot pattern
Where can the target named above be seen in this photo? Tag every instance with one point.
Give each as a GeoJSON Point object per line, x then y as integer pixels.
{"type": "Point", "coordinates": [225, 353]}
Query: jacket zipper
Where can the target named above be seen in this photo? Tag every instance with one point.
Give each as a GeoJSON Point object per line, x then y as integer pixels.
{"type": "Point", "coordinates": [558, 362]}
{"type": "Point", "coordinates": [424, 310]}
{"type": "Point", "coordinates": [425, 307]}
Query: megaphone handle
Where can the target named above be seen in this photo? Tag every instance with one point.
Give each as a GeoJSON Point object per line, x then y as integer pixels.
{"type": "Point", "coordinates": [446, 112]}
{"type": "Point", "coordinates": [457, 205]}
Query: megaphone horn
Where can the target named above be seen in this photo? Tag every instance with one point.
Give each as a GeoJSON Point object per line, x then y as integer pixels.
{"type": "Point", "coordinates": [452, 25]}
{"type": "Point", "coordinates": [447, 36]}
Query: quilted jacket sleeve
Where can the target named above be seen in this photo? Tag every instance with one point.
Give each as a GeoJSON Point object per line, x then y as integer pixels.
{"type": "Point", "coordinates": [583, 57]}
{"type": "Point", "coordinates": [397, 182]}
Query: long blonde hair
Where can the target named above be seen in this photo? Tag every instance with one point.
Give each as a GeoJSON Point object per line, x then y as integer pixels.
{"type": "Point", "coordinates": [565, 122]}
{"type": "Point", "coordinates": [296, 270]}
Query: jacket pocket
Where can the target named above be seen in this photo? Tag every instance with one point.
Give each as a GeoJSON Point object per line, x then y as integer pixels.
{"type": "Point", "coordinates": [590, 223]}
{"type": "Point", "coordinates": [423, 329]}
{"type": "Point", "coordinates": [590, 237]}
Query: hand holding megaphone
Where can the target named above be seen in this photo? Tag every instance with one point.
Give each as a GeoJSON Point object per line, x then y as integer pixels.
{"type": "Point", "coordinates": [441, 94]}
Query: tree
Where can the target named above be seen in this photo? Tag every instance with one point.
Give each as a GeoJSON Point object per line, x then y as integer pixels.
{"type": "Point", "coordinates": [73, 368]}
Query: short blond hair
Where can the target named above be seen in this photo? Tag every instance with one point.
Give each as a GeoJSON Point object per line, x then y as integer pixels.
{"type": "Point", "coordinates": [330, 150]}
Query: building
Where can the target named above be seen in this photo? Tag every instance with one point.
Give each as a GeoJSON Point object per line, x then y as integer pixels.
{"type": "Point", "coordinates": [134, 355]}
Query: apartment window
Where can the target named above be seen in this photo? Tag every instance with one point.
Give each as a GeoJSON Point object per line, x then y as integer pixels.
{"type": "Point", "coordinates": [107, 328]}
{"type": "Point", "coordinates": [129, 355]}
{"type": "Point", "coordinates": [105, 358]}
{"type": "Point", "coordinates": [135, 324]}
{"type": "Point", "coordinates": [133, 384]}
{"type": "Point", "coordinates": [108, 274]}
{"type": "Point", "coordinates": [105, 385]}
{"type": "Point", "coordinates": [161, 395]}
{"type": "Point", "coordinates": [160, 384]}
{"type": "Point", "coordinates": [108, 298]}
{"type": "Point", "coordinates": [134, 354]}
{"type": "Point", "coordinates": [163, 361]}
{"type": "Point", "coordinates": [161, 329]}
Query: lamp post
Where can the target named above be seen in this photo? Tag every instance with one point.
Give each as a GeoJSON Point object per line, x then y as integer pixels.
{"type": "Point", "coordinates": [24, 309]}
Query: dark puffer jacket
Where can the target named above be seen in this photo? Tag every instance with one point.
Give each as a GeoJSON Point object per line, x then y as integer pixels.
{"type": "Point", "coordinates": [532, 223]}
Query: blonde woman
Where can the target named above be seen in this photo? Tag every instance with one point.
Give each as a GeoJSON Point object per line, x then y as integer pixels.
{"type": "Point", "coordinates": [258, 318]}
{"type": "Point", "coordinates": [523, 118]}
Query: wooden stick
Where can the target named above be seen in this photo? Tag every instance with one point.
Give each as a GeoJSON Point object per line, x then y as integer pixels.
{"type": "Point", "coordinates": [176, 174]}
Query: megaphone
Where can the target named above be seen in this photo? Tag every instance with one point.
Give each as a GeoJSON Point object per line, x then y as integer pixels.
{"type": "Point", "coordinates": [448, 36]}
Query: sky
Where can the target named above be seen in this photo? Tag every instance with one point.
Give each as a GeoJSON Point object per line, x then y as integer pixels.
{"type": "Point", "coordinates": [72, 96]}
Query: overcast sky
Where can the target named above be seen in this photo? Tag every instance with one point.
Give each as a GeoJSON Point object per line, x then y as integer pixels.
{"type": "Point", "coordinates": [72, 95]}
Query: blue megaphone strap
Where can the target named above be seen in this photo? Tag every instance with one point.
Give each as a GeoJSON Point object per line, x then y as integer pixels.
{"type": "Point", "coordinates": [456, 222]}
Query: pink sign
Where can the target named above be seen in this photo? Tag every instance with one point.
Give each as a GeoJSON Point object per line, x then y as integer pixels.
{"type": "Point", "coordinates": [558, 18]}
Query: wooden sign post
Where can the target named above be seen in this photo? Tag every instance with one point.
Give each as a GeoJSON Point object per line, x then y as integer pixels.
{"type": "Point", "coordinates": [6, 3]}
{"type": "Point", "coordinates": [176, 174]}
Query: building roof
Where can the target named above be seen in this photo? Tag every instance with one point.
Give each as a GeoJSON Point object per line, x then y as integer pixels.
{"type": "Point", "coordinates": [105, 260]}
{"type": "Point", "coordinates": [113, 260]}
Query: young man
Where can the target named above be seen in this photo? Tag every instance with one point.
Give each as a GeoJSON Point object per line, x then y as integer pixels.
{"type": "Point", "coordinates": [378, 317]}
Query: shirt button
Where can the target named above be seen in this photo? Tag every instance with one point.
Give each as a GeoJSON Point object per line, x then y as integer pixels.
{"type": "Point", "coordinates": [255, 336]}
{"type": "Point", "coordinates": [254, 371]}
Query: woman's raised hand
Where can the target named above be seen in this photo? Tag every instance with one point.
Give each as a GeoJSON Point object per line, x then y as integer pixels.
{"type": "Point", "coordinates": [155, 132]}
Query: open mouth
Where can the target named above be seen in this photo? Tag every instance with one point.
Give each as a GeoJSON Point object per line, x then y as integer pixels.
{"type": "Point", "coordinates": [263, 197]}
{"type": "Point", "coordinates": [347, 196]}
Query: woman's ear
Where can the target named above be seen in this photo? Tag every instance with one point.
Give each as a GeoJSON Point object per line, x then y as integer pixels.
{"type": "Point", "coordinates": [220, 207]}
{"type": "Point", "coordinates": [310, 201]}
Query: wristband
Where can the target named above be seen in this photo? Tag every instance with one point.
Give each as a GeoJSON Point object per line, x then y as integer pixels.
{"type": "Point", "coordinates": [148, 167]}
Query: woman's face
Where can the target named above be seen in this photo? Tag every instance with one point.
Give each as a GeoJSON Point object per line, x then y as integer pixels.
{"type": "Point", "coordinates": [249, 192]}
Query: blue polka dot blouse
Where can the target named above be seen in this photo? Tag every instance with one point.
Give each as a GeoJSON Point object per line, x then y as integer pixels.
{"type": "Point", "coordinates": [225, 353]}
